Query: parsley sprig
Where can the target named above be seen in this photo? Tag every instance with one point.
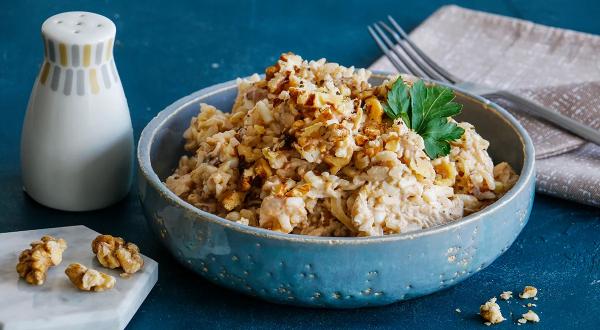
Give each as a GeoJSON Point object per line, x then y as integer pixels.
{"type": "Point", "coordinates": [426, 109]}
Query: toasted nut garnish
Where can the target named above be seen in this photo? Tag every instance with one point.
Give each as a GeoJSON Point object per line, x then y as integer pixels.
{"type": "Point", "coordinates": [270, 71]}
{"type": "Point", "coordinates": [259, 129]}
{"type": "Point", "coordinates": [366, 93]}
{"type": "Point", "coordinates": [34, 262]}
{"type": "Point", "coordinates": [299, 190]}
{"type": "Point", "coordinates": [279, 190]}
{"type": "Point", "coordinates": [87, 279]}
{"type": "Point", "coordinates": [312, 130]}
{"type": "Point", "coordinates": [297, 125]}
{"type": "Point", "coordinates": [113, 252]}
{"type": "Point", "coordinates": [232, 199]}
{"type": "Point", "coordinates": [374, 109]}
{"type": "Point", "coordinates": [360, 139]}
{"type": "Point", "coordinates": [361, 160]}
{"type": "Point", "coordinates": [336, 163]}
{"type": "Point", "coordinates": [262, 168]}
{"type": "Point", "coordinates": [247, 153]}
{"type": "Point", "coordinates": [445, 172]}
{"type": "Point", "coordinates": [372, 132]}
{"type": "Point", "coordinates": [246, 182]}
{"type": "Point", "coordinates": [372, 151]}
{"type": "Point", "coordinates": [422, 167]}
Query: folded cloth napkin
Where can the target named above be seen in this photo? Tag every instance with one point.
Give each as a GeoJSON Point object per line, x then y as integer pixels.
{"type": "Point", "coordinates": [555, 67]}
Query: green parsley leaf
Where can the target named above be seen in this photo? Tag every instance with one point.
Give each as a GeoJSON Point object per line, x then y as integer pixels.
{"type": "Point", "coordinates": [437, 135]}
{"type": "Point", "coordinates": [426, 109]}
{"type": "Point", "coordinates": [398, 102]}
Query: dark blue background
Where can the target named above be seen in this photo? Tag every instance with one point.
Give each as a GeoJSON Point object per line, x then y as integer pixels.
{"type": "Point", "coordinates": [166, 49]}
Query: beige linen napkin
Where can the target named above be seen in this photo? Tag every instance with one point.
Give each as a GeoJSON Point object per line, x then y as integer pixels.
{"type": "Point", "coordinates": [558, 68]}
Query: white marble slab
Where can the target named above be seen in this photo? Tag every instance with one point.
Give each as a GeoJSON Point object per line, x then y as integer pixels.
{"type": "Point", "coordinates": [58, 304]}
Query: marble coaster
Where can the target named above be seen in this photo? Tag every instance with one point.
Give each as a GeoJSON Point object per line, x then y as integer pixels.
{"type": "Point", "coordinates": [57, 304]}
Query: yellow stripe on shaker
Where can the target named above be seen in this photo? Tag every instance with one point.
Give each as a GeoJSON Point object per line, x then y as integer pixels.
{"type": "Point", "coordinates": [87, 55]}
{"type": "Point", "coordinates": [109, 46]}
{"type": "Point", "coordinates": [62, 50]}
{"type": "Point", "coordinates": [44, 74]}
{"type": "Point", "coordinates": [94, 81]}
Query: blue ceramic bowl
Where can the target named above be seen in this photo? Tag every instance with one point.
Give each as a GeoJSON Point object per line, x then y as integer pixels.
{"type": "Point", "coordinates": [331, 272]}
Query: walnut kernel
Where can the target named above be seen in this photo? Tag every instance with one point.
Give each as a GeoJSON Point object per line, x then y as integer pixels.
{"type": "Point", "coordinates": [113, 252]}
{"type": "Point", "coordinates": [89, 279]}
{"type": "Point", "coordinates": [34, 262]}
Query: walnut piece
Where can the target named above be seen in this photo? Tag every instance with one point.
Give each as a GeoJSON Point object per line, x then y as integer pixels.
{"type": "Point", "coordinates": [530, 316]}
{"type": "Point", "coordinates": [89, 279]}
{"type": "Point", "coordinates": [34, 262]}
{"type": "Point", "coordinates": [528, 292]}
{"type": "Point", "coordinates": [113, 252]}
{"type": "Point", "coordinates": [506, 295]}
{"type": "Point", "coordinates": [490, 311]}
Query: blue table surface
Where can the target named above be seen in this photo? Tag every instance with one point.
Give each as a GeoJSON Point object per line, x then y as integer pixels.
{"type": "Point", "coordinates": [168, 49]}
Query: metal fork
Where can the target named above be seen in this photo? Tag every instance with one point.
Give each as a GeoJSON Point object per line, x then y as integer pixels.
{"type": "Point", "coordinates": [408, 58]}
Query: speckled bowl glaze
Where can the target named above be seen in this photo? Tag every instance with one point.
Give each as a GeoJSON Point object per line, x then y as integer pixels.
{"type": "Point", "coordinates": [331, 272]}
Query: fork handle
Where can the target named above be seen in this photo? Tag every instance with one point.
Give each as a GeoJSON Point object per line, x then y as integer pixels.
{"type": "Point", "coordinates": [573, 126]}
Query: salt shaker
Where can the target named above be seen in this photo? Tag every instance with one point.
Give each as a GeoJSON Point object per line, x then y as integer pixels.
{"type": "Point", "coordinates": [77, 139]}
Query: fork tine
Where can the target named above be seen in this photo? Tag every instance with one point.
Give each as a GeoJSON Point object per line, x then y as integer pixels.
{"type": "Point", "coordinates": [411, 54]}
{"type": "Point", "coordinates": [411, 68]}
{"type": "Point", "coordinates": [398, 65]}
{"type": "Point", "coordinates": [424, 56]}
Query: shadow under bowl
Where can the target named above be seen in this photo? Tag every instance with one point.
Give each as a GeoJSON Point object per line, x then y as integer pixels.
{"type": "Point", "coordinates": [325, 271]}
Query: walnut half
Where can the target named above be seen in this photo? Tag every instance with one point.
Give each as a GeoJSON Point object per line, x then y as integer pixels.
{"type": "Point", "coordinates": [89, 279]}
{"type": "Point", "coordinates": [113, 252]}
{"type": "Point", "coordinates": [34, 262]}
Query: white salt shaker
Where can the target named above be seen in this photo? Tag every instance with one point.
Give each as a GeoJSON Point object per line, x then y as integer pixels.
{"type": "Point", "coordinates": [77, 139]}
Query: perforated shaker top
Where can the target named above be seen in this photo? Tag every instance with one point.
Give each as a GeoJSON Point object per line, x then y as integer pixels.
{"type": "Point", "coordinates": [78, 28]}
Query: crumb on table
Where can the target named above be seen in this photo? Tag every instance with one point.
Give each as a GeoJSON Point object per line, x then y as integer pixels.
{"type": "Point", "coordinates": [528, 292]}
{"type": "Point", "coordinates": [530, 316]}
{"type": "Point", "coordinates": [506, 295]}
{"type": "Point", "coordinates": [490, 311]}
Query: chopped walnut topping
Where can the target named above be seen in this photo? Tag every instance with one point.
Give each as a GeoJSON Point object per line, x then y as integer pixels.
{"type": "Point", "coordinates": [528, 292]}
{"type": "Point", "coordinates": [374, 109]}
{"type": "Point", "coordinates": [89, 279]}
{"type": "Point", "coordinates": [530, 316]}
{"type": "Point", "coordinates": [113, 252]}
{"type": "Point", "coordinates": [299, 190]}
{"type": "Point", "coordinates": [34, 262]}
{"type": "Point", "coordinates": [327, 120]}
{"type": "Point", "coordinates": [506, 295]}
{"type": "Point", "coordinates": [490, 311]}
{"type": "Point", "coordinates": [232, 199]}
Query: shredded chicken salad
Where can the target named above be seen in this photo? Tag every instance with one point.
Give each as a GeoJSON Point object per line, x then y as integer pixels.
{"type": "Point", "coordinates": [309, 150]}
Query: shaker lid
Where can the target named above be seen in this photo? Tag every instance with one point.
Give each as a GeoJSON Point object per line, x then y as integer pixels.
{"type": "Point", "coordinates": [78, 28]}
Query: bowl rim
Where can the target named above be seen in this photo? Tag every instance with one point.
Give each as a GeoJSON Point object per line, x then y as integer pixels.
{"type": "Point", "coordinates": [148, 135]}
